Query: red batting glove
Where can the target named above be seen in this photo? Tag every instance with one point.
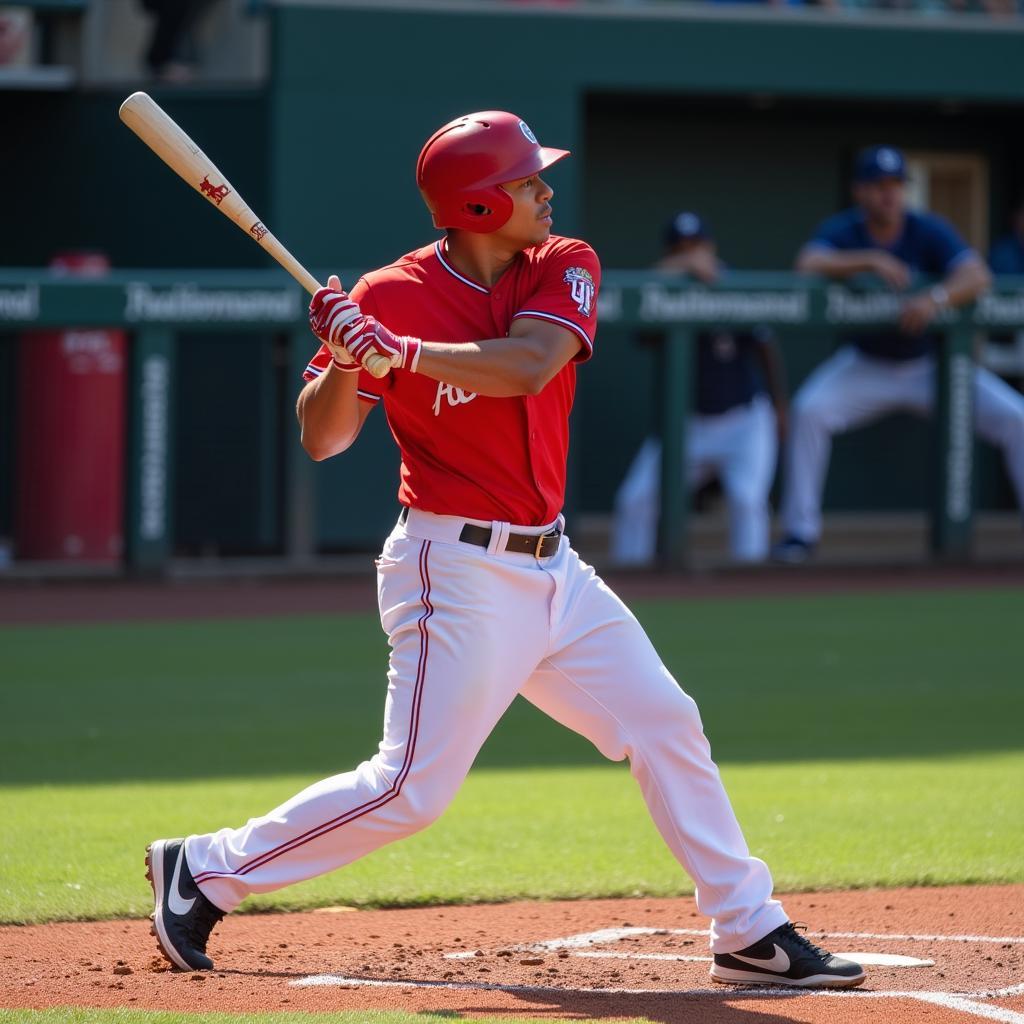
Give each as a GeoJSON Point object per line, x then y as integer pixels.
{"type": "Point", "coordinates": [367, 336]}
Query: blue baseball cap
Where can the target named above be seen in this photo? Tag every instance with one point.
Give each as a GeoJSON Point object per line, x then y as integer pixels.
{"type": "Point", "coordinates": [878, 162]}
{"type": "Point", "coordinates": [686, 224]}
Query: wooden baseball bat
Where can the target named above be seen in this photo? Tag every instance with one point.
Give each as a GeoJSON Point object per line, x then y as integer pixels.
{"type": "Point", "coordinates": [162, 134]}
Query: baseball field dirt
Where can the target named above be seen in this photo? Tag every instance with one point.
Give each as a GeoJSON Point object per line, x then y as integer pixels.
{"type": "Point", "coordinates": [600, 959]}
{"type": "Point", "coordinates": [959, 949]}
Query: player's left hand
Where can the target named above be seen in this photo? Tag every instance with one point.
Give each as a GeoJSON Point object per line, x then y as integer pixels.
{"type": "Point", "coordinates": [330, 310]}
{"type": "Point", "coordinates": [917, 313]}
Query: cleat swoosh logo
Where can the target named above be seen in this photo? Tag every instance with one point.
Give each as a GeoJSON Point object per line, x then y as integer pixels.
{"type": "Point", "coordinates": [178, 905]}
{"type": "Point", "coordinates": [779, 963]}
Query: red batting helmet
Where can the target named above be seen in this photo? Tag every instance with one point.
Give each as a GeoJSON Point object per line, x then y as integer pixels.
{"type": "Point", "coordinates": [462, 164]}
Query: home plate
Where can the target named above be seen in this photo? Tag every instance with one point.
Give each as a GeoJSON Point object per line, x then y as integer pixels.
{"type": "Point", "coordinates": [885, 960]}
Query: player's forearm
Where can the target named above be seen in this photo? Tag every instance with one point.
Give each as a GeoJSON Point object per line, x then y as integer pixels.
{"type": "Point", "coordinates": [499, 368]}
{"type": "Point", "coordinates": [835, 262]}
{"type": "Point", "coordinates": [967, 282]}
{"type": "Point", "coordinates": [328, 413]}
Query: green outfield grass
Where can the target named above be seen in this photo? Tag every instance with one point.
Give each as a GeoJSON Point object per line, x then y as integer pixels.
{"type": "Point", "coordinates": [867, 740]}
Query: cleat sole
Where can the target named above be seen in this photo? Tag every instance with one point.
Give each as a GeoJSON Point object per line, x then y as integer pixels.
{"type": "Point", "coordinates": [815, 981]}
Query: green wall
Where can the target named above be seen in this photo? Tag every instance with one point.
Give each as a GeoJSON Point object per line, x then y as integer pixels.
{"type": "Point", "coordinates": [763, 175]}
{"type": "Point", "coordinates": [752, 119]}
{"type": "Point", "coordinates": [74, 176]}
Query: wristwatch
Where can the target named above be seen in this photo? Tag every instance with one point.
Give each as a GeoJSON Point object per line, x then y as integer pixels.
{"type": "Point", "coordinates": [939, 296]}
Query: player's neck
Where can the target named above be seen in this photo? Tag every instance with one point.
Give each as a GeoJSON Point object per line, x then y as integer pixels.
{"type": "Point", "coordinates": [481, 258]}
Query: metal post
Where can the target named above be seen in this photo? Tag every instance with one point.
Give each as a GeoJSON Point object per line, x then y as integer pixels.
{"type": "Point", "coordinates": [676, 370]}
{"type": "Point", "coordinates": [300, 494]}
{"type": "Point", "coordinates": [953, 495]}
{"type": "Point", "coordinates": [149, 534]}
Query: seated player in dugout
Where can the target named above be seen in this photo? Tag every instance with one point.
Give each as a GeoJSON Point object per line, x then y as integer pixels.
{"type": "Point", "coordinates": [481, 595]}
{"type": "Point", "coordinates": [739, 413]}
{"type": "Point", "coordinates": [875, 372]}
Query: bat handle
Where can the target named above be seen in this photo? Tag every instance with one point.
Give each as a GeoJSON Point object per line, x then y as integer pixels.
{"type": "Point", "coordinates": [377, 366]}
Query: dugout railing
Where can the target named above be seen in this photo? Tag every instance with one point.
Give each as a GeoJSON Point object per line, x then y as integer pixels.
{"type": "Point", "coordinates": [156, 306]}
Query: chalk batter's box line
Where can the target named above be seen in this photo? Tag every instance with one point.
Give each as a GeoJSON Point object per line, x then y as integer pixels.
{"type": "Point", "coordinates": [608, 935]}
{"type": "Point", "coordinates": [960, 1001]}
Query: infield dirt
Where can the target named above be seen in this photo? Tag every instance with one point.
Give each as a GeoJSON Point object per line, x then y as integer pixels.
{"type": "Point", "coordinates": [975, 936]}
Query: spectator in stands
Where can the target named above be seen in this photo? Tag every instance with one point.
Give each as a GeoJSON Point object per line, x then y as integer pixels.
{"type": "Point", "coordinates": [171, 54]}
{"type": "Point", "coordinates": [881, 371]}
{"type": "Point", "coordinates": [732, 433]}
{"type": "Point", "coordinates": [1007, 255]}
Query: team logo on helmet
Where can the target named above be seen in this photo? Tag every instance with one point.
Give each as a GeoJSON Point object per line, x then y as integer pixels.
{"type": "Point", "coordinates": [525, 129]}
{"type": "Point", "coordinates": [581, 288]}
{"type": "Point", "coordinates": [888, 160]}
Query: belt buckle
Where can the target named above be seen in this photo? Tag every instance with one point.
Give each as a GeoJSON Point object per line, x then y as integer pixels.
{"type": "Point", "coordinates": [537, 551]}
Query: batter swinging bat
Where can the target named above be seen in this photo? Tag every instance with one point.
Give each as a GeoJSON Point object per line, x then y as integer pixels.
{"type": "Point", "coordinates": [161, 133]}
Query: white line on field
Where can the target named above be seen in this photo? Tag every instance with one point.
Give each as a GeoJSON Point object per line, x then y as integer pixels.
{"type": "Point", "coordinates": [603, 935]}
{"type": "Point", "coordinates": [953, 1002]}
{"type": "Point", "coordinates": [963, 1002]}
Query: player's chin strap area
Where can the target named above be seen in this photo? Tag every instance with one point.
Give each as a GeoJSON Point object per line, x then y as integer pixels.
{"type": "Point", "coordinates": [539, 545]}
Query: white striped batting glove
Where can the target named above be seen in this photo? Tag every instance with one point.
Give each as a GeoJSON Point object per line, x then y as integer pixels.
{"type": "Point", "coordinates": [367, 336]}
{"type": "Point", "coordinates": [330, 310]}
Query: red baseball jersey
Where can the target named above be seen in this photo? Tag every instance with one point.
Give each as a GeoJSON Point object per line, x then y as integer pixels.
{"type": "Point", "coordinates": [465, 454]}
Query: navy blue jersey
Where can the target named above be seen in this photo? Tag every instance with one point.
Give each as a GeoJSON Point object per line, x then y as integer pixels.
{"type": "Point", "coordinates": [1007, 256]}
{"type": "Point", "coordinates": [728, 371]}
{"type": "Point", "coordinates": [929, 244]}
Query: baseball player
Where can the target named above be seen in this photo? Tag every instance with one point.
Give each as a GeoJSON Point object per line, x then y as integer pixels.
{"type": "Point", "coordinates": [732, 433]}
{"type": "Point", "coordinates": [1007, 253]}
{"type": "Point", "coordinates": [480, 593]}
{"type": "Point", "coordinates": [883, 371]}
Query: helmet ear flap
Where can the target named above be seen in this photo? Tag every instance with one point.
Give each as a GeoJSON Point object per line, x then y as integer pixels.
{"type": "Point", "coordinates": [497, 202]}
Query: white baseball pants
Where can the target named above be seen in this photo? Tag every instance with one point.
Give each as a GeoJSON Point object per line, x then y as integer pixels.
{"type": "Point", "coordinates": [850, 390]}
{"type": "Point", "coordinates": [469, 628]}
{"type": "Point", "coordinates": [740, 447]}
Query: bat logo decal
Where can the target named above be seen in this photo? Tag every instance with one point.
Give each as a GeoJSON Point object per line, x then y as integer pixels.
{"type": "Point", "coordinates": [257, 231]}
{"type": "Point", "coordinates": [215, 193]}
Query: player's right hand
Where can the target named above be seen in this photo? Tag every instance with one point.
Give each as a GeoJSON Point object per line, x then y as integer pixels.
{"type": "Point", "coordinates": [330, 311]}
{"type": "Point", "coordinates": [894, 272]}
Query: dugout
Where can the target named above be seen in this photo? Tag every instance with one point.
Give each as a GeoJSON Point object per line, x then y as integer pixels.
{"type": "Point", "coordinates": [752, 115]}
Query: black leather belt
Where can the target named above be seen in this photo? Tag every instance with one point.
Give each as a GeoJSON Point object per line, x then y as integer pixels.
{"type": "Point", "coordinates": [540, 546]}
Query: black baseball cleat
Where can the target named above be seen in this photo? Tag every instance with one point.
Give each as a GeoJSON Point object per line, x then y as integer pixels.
{"type": "Point", "coordinates": [792, 551]}
{"type": "Point", "coordinates": [786, 957]}
{"type": "Point", "coordinates": [182, 917]}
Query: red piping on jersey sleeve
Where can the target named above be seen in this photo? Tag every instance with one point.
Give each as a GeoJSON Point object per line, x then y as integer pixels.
{"type": "Point", "coordinates": [537, 314]}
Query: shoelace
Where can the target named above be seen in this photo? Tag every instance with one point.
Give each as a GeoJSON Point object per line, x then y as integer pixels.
{"type": "Point", "coordinates": [204, 919]}
{"type": "Point", "coordinates": [795, 931]}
